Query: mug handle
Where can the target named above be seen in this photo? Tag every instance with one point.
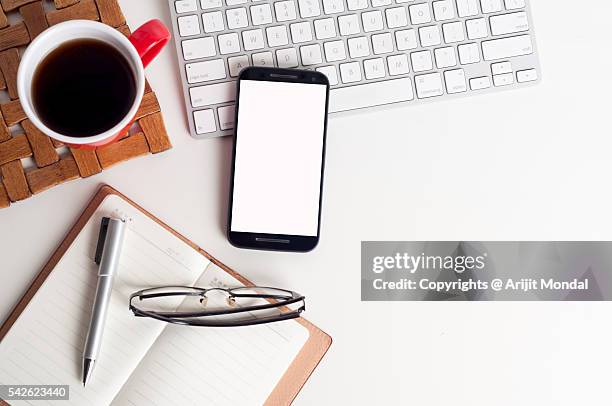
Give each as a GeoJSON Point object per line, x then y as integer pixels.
{"type": "Point", "coordinates": [149, 39]}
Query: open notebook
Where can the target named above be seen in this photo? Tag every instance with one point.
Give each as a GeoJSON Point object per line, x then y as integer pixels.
{"type": "Point", "coordinates": [144, 361]}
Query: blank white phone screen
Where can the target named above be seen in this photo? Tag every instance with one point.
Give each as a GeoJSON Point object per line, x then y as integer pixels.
{"type": "Point", "coordinates": [279, 152]}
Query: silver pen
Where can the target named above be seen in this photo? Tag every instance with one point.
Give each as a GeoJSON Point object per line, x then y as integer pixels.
{"type": "Point", "coordinates": [108, 251]}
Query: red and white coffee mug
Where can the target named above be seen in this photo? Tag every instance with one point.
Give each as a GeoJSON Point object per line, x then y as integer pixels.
{"type": "Point", "coordinates": [139, 50]}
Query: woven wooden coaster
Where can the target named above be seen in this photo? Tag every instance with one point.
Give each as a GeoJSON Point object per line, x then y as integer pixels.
{"type": "Point", "coordinates": [53, 163]}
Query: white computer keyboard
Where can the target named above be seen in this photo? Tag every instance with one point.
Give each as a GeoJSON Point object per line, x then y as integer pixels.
{"type": "Point", "coordinates": [374, 52]}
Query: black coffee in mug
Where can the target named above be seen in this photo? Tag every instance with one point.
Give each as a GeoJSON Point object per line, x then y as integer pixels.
{"type": "Point", "coordinates": [83, 88]}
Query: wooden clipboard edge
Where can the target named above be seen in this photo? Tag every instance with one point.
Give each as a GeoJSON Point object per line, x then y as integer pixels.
{"type": "Point", "coordinates": [293, 379]}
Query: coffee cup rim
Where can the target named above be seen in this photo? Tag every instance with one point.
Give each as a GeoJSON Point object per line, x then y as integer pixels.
{"type": "Point", "coordinates": [24, 84]}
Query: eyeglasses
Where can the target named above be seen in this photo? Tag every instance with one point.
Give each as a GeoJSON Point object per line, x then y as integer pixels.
{"type": "Point", "coordinates": [217, 307]}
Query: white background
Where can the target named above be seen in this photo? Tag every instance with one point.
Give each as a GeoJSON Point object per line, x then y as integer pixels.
{"type": "Point", "coordinates": [524, 165]}
{"type": "Point", "coordinates": [278, 158]}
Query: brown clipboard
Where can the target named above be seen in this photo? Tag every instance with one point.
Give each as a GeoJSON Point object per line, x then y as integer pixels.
{"type": "Point", "coordinates": [293, 379]}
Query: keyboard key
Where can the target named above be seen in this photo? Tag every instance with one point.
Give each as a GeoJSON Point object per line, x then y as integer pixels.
{"type": "Point", "coordinates": [349, 24]}
{"type": "Point", "coordinates": [370, 94]}
{"type": "Point", "coordinates": [430, 36]}
{"type": "Point", "coordinates": [204, 121]}
{"type": "Point", "coordinates": [503, 80]}
{"type": "Point", "coordinates": [445, 57]}
{"type": "Point", "coordinates": [205, 71]}
{"type": "Point", "coordinates": [287, 58]}
{"type": "Point", "coordinates": [398, 65]}
{"type": "Point", "coordinates": [261, 14]}
{"type": "Point", "coordinates": [358, 47]}
{"type": "Point", "coordinates": [188, 26]}
{"type": "Point", "coordinates": [213, 21]}
{"type": "Point", "coordinates": [333, 6]}
{"type": "Point", "coordinates": [379, 3]}
{"type": "Point", "coordinates": [509, 23]}
{"type": "Point", "coordinates": [374, 68]}
{"type": "Point", "coordinates": [325, 28]}
{"type": "Point", "coordinates": [420, 14]}
{"type": "Point", "coordinates": [237, 63]}
{"type": "Point", "coordinates": [514, 4]}
{"type": "Point", "coordinates": [263, 59]}
{"type": "Point", "coordinates": [228, 43]}
{"type": "Point", "coordinates": [477, 28]}
{"type": "Point", "coordinates": [529, 75]}
{"type": "Point", "coordinates": [301, 32]}
{"type": "Point", "coordinates": [453, 32]}
{"type": "Point", "coordinates": [507, 47]}
{"type": "Point", "coordinates": [334, 51]}
{"type": "Point", "coordinates": [185, 6]}
{"type": "Point", "coordinates": [226, 117]}
{"type": "Point", "coordinates": [421, 61]}
{"type": "Point", "coordinates": [455, 81]}
{"type": "Point", "coordinates": [382, 43]}
{"type": "Point", "coordinates": [253, 39]}
{"type": "Point", "coordinates": [480, 83]}
{"type": "Point", "coordinates": [372, 20]}
{"type": "Point", "coordinates": [235, 2]}
{"type": "Point", "coordinates": [357, 4]}
{"type": "Point", "coordinates": [406, 39]}
{"type": "Point", "coordinates": [212, 94]}
{"type": "Point", "coordinates": [467, 8]}
{"type": "Point", "coordinates": [396, 17]}
{"type": "Point", "coordinates": [429, 85]}
{"type": "Point", "coordinates": [501, 67]}
{"type": "Point", "coordinates": [350, 72]}
{"type": "Point", "coordinates": [444, 10]}
{"type": "Point", "coordinates": [285, 10]}
{"type": "Point", "coordinates": [237, 18]}
{"type": "Point", "coordinates": [330, 72]}
{"type": "Point", "coordinates": [468, 54]}
{"type": "Point", "coordinates": [309, 8]}
{"type": "Point", "coordinates": [491, 6]}
{"type": "Point", "coordinates": [198, 48]}
{"type": "Point", "coordinates": [208, 4]}
{"type": "Point", "coordinates": [277, 36]}
{"type": "Point", "coordinates": [311, 54]}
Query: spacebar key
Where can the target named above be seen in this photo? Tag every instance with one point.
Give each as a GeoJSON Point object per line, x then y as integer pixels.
{"type": "Point", "coordinates": [370, 94]}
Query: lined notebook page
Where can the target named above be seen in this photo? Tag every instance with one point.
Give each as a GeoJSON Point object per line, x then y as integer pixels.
{"type": "Point", "coordinates": [214, 366]}
{"type": "Point", "coordinates": [45, 344]}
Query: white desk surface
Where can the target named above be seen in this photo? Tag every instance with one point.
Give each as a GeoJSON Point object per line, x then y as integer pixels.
{"type": "Point", "coordinates": [523, 165]}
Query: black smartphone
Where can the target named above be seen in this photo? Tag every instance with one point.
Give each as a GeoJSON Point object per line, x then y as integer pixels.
{"type": "Point", "coordinates": [278, 161]}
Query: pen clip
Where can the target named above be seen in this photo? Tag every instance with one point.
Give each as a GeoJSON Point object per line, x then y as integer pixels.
{"type": "Point", "coordinates": [101, 240]}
